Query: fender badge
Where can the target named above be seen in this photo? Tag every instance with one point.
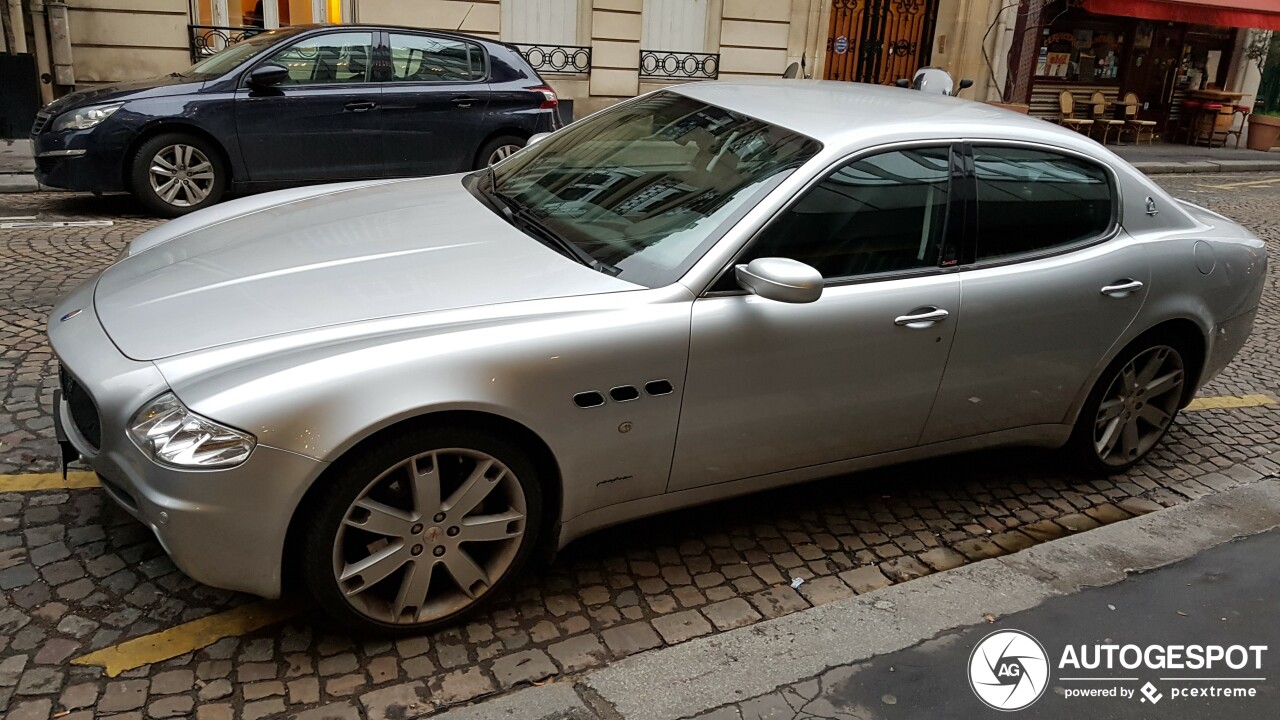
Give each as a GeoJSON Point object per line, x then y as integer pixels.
{"type": "Point", "coordinates": [70, 315]}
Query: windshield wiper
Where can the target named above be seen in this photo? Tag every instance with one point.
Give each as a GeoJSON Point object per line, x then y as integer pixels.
{"type": "Point", "coordinates": [522, 217]}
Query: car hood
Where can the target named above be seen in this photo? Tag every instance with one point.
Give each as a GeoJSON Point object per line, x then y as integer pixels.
{"type": "Point", "coordinates": [150, 87]}
{"type": "Point", "coordinates": [357, 253]}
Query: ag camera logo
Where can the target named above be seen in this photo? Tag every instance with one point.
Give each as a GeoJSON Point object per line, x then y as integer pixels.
{"type": "Point", "coordinates": [1008, 670]}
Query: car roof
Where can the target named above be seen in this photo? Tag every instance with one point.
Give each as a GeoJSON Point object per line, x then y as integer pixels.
{"type": "Point", "coordinates": [843, 114]}
{"type": "Point", "coordinates": [369, 26]}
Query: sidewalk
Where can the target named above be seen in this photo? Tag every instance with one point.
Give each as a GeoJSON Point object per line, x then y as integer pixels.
{"type": "Point", "coordinates": [17, 166]}
{"type": "Point", "coordinates": [904, 651]}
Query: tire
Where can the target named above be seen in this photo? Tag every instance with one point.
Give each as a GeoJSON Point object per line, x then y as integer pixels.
{"type": "Point", "coordinates": [502, 146]}
{"type": "Point", "coordinates": [1117, 427]}
{"type": "Point", "coordinates": [392, 596]}
{"type": "Point", "coordinates": [192, 162]}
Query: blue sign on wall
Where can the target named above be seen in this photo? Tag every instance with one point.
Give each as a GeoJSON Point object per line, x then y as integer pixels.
{"type": "Point", "coordinates": [842, 45]}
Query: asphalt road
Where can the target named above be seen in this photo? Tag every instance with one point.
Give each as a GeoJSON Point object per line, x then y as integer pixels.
{"type": "Point", "coordinates": [1224, 596]}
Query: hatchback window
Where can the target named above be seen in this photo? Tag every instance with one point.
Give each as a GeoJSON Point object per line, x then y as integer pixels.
{"type": "Point", "coordinates": [328, 59]}
{"type": "Point", "coordinates": [1033, 200]}
{"type": "Point", "coordinates": [645, 187]}
{"type": "Point", "coordinates": [422, 58]}
{"type": "Point", "coordinates": [880, 214]}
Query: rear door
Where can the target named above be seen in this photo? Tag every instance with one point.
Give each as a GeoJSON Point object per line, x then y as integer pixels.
{"type": "Point", "coordinates": [324, 122]}
{"type": "Point", "coordinates": [1054, 283]}
{"type": "Point", "coordinates": [434, 104]}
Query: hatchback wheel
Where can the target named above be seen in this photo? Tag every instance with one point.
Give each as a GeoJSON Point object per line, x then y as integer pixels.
{"type": "Point", "coordinates": [176, 173]}
{"type": "Point", "coordinates": [421, 530]}
{"type": "Point", "coordinates": [498, 149]}
{"type": "Point", "coordinates": [1132, 407]}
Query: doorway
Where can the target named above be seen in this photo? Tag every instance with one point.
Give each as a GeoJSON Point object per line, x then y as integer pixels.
{"type": "Point", "coordinates": [879, 41]}
{"type": "Point", "coordinates": [1152, 73]}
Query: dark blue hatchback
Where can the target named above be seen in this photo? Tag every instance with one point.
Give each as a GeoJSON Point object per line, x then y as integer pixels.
{"type": "Point", "coordinates": [297, 106]}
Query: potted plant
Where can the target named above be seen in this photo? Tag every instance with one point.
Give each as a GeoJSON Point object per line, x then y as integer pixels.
{"type": "Point", "coordinates": [1264, 130]}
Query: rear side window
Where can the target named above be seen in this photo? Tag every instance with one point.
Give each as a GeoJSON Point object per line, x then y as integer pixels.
{"type": "Point", "coordinates": [1033, 201]}
{"type": "Point", "coordinates": [422, 58]}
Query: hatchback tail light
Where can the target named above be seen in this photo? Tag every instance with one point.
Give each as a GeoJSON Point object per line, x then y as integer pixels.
{"type": "Point", "coordinates": [550, 100]}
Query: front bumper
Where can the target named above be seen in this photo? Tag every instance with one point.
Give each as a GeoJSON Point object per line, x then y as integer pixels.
{"type": "Point", "coordinates": [90, 160]}
{"type": "Point", "coordinates": [224, 528]}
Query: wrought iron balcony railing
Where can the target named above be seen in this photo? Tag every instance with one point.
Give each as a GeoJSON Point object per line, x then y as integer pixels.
{"type": "Point", "coordinates": [664, 64]}
{"type": "Point", "coordinates": [556, 58]}
{"type": "Point", "coordinates": [208, 39]}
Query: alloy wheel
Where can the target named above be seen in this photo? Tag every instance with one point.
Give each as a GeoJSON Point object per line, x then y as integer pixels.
{"type": "Point", "coordinates": [1139, 405]}
{"type": "Point", "coordinates": [429, 536]}
{"type": "Point", "coordinates": [502, 152]}
{"type": "Point", "coordinates": [181, 175]}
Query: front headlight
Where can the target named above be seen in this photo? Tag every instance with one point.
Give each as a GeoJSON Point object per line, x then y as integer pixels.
{"type": "Point", "coordinates": [171, 434]}
{"type": "Point", "coordinates": [85, 117]}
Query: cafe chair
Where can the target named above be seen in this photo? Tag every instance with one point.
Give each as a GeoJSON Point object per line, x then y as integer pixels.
{"type": "Point", "coordinates": [1133, 124]}
{"type": "Point", "coordinates": [1101, 121]}
{"type": "Point", "coordinates": [1066, 113]}
{"type": "Point", "coordinates": [1237, 130]}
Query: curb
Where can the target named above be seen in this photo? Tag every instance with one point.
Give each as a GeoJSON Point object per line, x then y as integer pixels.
{"type": "Point", "coordinates": [18, 183]}
{"type": "Point", "coordinates": [700, 675]}
{"type": "Point", "coordinates": [1156, 167]}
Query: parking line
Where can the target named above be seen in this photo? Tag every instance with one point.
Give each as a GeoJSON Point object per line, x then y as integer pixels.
{"type": "Point", "coordinates": [1229, 401]}
{"type": "Point", "coordinates": [187, 637]}
{"type": "Point", "coordinates": [48, 481]}
{"type": "Point", "coordinates": [1233, 186]}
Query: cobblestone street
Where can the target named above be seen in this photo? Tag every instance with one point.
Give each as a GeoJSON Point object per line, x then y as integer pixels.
{"type": "Point", "coordinates": [78, 574]}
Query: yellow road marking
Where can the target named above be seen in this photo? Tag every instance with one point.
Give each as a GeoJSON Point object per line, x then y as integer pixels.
{"type": "Point", "coordinates": [187, 637]}
{"type": "Point", "coordinates": [1232, 186]}
{"type": "Point", "coordinates": [48, 481]}
{"type": "Point", "coordinates": [1221, 403]}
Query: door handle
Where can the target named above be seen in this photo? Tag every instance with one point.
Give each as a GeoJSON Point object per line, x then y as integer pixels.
{"type": "Point", "coordinates": [1122, 288]}
{"type": "Point", "coordinates": [922, 318]}
{"type": "Point", "coordinates": [360, 106]}
{"type": "Point", "coordinates": [463, 101]}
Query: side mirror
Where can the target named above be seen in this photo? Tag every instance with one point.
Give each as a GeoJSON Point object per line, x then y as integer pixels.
{"type": "Point", "coordinates": [268, 75]}
{"type": "Point", "coordinates": [780, 279]}
{"type": "Point", "coordinates": [535, 139]}
{"type": "Point", "coordinates": [965, 83]}
{"type": "Point", "coordinates": [903, 83]}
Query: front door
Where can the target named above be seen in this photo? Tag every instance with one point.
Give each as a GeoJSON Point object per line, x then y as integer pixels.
{"type": "Point", "coordinates": [433, 108]}
{"type": "Point", "coordinates": [774, 386]}
{"type": "Point", "coordinates": [879, 41]}
{"type": "Point", "coordinates": [1055, 285]}
{"type": "Point", "coordinates": [1153, 68]}
{"type": "Point", "coordinates": [324, 123]}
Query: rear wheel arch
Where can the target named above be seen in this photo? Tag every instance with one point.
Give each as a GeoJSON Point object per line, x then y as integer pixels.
{"type": "Point", "coordinates": [515, 132]}
{"type": "Point", "coordinates": [545, 465]}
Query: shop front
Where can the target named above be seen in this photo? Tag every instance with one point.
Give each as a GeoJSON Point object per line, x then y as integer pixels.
{"type": "Point", "coordinates": [1167, 61]}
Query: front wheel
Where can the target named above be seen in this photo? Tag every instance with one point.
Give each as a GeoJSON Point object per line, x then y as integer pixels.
{"type": "Point", "coordinates": [176, 173]}
{"type": "Point", "coordinates": [1131, 407]}
{"type": "Point", "coordinates": [421, 529]}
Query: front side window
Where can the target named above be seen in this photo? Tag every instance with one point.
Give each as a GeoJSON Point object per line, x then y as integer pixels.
{"type": "Point", "coordinates": [880, 214]}
{"type": "Point", "coordinates": [232, 56]}
{"type": "Point", "coordinates": [335, 58]}
{"type": "Point", "coordinates": [1033, 201]}
{"type": "Point", "coordinates": [645, 187]}
{"type": "Point", "coordinates": [422, 58]}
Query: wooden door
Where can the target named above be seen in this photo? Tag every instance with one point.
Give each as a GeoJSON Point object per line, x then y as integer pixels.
{"type": "Point", "coordinates": [879, 41]}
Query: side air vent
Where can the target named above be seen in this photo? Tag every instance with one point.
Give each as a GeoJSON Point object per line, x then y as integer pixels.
{"type": "Point", "coordinates": [588, 399]}
{"type": "Point", "coordinates": [658, 387]}
{"type": "Point", "coordinates": [623, 393]}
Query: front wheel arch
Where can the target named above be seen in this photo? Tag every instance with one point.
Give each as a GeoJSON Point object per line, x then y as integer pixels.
{"type": "Point", "coordinates": [163, 128]}
{"type": "Point", "coordinates": [548, 471]}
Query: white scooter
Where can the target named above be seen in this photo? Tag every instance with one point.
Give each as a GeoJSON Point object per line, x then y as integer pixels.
{"type": "Point", "coordinates": [936, 81]}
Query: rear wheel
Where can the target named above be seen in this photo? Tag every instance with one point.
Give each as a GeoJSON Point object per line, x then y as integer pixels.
{"type": "Point", "coordinates": [1132, 406]}
{"type": "Point", "coordinates": [498, 149]}
{"type": "Point", "coordinates": [420, 530]}
{"type": "Point", "coordinates": [177, 173]}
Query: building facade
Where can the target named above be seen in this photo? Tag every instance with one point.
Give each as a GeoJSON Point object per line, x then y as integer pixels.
{"type": "Point", "coordinates": [597, 52]}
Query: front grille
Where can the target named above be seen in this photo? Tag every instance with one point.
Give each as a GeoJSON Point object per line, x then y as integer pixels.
{"type": "Point", "coordinates": [84, 413]}
{"type": "Point", "coordinates": [42, 119]}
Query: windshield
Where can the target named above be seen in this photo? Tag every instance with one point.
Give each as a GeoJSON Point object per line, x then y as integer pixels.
{"type": "Point", "coordinates": [644, 188]}
{"type": "Point", "coordinates": [233, 56]}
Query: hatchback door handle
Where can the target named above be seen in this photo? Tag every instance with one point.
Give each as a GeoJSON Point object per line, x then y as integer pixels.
{"type": "Point", "coordinates": [463, 101]}
{"type": "Point", "coordinates": [1122, 288]}
{"type": "Point", "coordinates": [922, 318]}
{"type": "Point", "coordinates": [360, 106]}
